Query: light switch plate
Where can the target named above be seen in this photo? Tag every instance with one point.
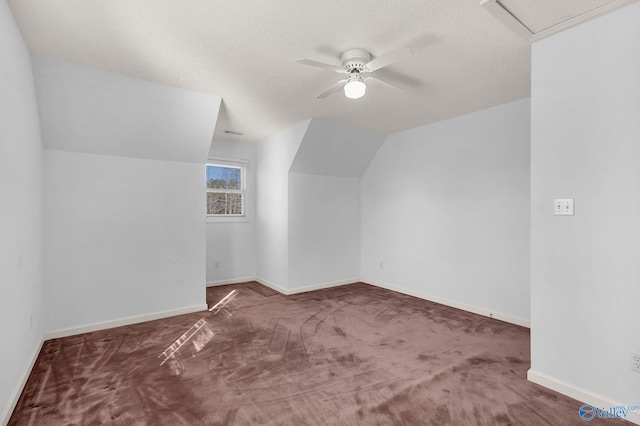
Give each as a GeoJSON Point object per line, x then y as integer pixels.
{"type": "Point", "coordinates": [563, 207]}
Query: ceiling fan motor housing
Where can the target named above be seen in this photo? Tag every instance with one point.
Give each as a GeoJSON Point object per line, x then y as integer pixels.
{"type": "Point", "coordinates": [354, 61]}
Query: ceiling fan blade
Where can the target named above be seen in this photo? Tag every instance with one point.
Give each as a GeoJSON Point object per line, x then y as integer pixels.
{"type": "Point", "coordinates": [321, 65]}
{"type": "Point", "coordinates": [334, 88]}
{"type": "Point", "coordinates": [387, 59]}
{"type": "Point", "coordinates": [383, 84]}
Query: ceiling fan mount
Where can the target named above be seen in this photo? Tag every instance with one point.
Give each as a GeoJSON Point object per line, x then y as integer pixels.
{"type": "Point", "coordinates": [355, 63]}
{"type": "Point", "coordinates": [355, 60]}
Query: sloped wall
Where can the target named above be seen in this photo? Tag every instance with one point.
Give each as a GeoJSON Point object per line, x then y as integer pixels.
{"type": "Point", "coordinates": [97, 112]}
{"type": "Point", "coordinates": [330, 149]}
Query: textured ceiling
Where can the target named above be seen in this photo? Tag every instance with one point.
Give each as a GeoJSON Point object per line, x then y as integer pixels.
{"type": "Point", "coordinates": [463, 59]}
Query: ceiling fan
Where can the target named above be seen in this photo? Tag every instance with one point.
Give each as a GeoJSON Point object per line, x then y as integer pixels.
{"type": "Point", "coordinates": [356, 63]}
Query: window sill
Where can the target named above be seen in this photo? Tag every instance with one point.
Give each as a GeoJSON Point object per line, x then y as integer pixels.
{"type": "Point", "coordinates": [228, 219]}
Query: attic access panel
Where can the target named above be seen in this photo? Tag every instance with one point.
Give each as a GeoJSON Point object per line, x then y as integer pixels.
{"type": "Point", "coordinates": [539, 15]}
{"type": "Point", "coordinates": [535, 19]}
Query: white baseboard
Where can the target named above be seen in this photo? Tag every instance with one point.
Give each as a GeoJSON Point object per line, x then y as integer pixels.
{"type": "Point", "coordinates": [582, 395]}
{"type": "Point", "coordinates": [123, 321]}
{"type": "Point", "coordinates": [230, 281]}
{"type": "Point", "coordinates": [11, 404]}
{"type": "Point", "coordinates": [298, 290]}
{"type": "Point", "coordinates": [323, 285]}
{"type": "Point", "coordinates": [271, 285]}
{"type": "Point", "coordinates": [454, 304]}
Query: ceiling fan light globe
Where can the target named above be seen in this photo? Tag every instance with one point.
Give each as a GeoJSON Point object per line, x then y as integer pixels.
{"type": "Point", "coordinates": [355, 89]}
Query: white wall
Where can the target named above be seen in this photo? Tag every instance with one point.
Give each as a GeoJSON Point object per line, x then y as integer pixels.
{"type": "Point", "coordinates": [324, 230]}
{"type": "Point", "coordinates": [585, 269]}
{"type": "Point", "coordinates": [324, 204]}
{"type": "Point", "coordinates": [233, 244]}
{"type": "Point", "coordinates": [21, 272]}
{"type": "Point", "coordinates": [123, 237]}
{"type": "Point", "coordinates": [125, 223]}
{"type": "Point", "coordinates": [275, 156]}
{"type": "Point", "coordinates": [445, 212]}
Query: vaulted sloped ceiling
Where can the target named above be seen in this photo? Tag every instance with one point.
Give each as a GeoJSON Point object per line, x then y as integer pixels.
{"type": "Point", "coordinates": [464, 59]}
{"type": "Point", "coordinates": [335, 150]}
{"type": "Point", "coordinates": [96, 112]}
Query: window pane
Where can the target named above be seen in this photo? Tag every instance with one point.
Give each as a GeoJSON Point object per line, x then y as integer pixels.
{"type": "Point", "coordinates": [224, 203]}
{"type": "Point", "coordinates": [235, 203]}
{"type": "Point", "coordinates": [220, 177]}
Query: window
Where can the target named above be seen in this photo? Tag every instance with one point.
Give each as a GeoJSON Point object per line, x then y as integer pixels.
{"type": "Point", "coordinates": [225, 189]}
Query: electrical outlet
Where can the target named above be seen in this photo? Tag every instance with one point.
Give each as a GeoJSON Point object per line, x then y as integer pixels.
{"type": "Point", "coordinates": [216, 265]}
{"type": "Point", "coordinates": [635, 362]}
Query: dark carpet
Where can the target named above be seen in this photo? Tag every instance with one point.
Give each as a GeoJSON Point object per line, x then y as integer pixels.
{"type": "Point", "coordinates": [349, 355]}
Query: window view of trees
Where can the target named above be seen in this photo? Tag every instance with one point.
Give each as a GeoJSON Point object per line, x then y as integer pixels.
{"type": "Point", "coordinates": [224, 190]}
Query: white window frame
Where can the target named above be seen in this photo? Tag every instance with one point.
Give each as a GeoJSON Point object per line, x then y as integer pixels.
{"type": "Point", "coordinates": [243, 165]}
